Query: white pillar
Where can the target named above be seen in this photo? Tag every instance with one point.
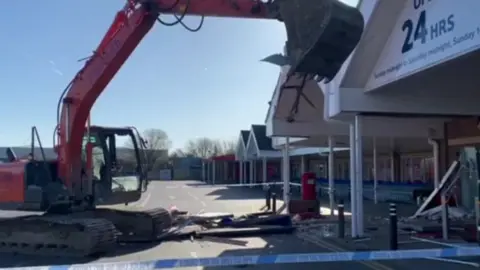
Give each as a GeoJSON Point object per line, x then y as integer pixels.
{"type": "Point", "coordinates": [204, 178]}
{"type": "Point", "coordinates": [224, 171]}
{"type": "Point", "coordinates": [251, 172]}
{"type": "Point", "coordinates": [392, 160]}
{"type": "Point", "coordinates": [359, 174]}
{"type": "Point", "coordinates": [436, 167]}
{"type": "Point", "coordinates": [436, 177]}
{"type": "Point", "coordinates": [211, 168]}
{"type": "Point", "coordinates": [254, 179]}
{"type": "Point", "coordinates": [240, 171]}
{"type": "Point", "coordinates": [302, 171]}
{"type": "Point", "coordinates": [353, 183]}
{"type": "Point", "coordinates": [214, 172]}
{"type": "Point", "coordinates": [245, 163]}
{"type": "Point", "coordinates": [264, 169]}
{"type": "Point", "coordinates": [303, 166]}
{"type": "Point", "coordinates": [375, 171]}
{"type": "Point", "coordinates": [227, 170]}
{"type": "Point", "coordinates": [331, 174]}
{"type": "Point", "coordinates": [286, 173]}
{"type": "Point", "coordinates": [207, 171]}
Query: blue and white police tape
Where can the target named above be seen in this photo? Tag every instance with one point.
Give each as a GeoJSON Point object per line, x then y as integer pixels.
{"type": "Point", "coordinates": [276, 259]}
{"type": "Point", "coordinates": [236, 185]}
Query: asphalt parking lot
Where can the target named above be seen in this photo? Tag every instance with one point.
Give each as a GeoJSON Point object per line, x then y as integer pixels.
{"type": "Point", "coordinates": [187, 195]}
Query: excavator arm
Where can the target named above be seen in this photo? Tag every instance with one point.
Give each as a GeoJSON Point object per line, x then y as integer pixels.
{"type": "Point", "coordinates": [321, 35]}
{"type": "Point", "coordinates": [129, 27]}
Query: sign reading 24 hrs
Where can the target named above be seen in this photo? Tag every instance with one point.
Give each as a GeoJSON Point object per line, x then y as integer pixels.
{"type": "Point", "coordinates": [426, 33]}
{"type": "Point", "coordinates": [421, 30]}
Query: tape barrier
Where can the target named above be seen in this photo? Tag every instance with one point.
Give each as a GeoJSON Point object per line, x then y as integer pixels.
{"type": "Point", "coordinates": [274, 259]}
{"type": "Point", "coordinates": [237, 185]}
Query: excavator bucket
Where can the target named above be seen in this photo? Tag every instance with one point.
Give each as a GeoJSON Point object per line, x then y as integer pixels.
{"type": "Point", "coordinates": [321, 35]}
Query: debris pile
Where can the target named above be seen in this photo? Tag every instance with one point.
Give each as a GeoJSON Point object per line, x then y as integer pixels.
{"type": "Point", "coordinates": [187, 226]}
{"type": "Point", "coordinates": [454, 213]}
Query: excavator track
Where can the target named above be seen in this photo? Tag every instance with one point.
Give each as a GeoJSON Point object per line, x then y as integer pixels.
{"type": "Point", "coordinates": [135, 225]}
{"type": "Point", "coordinates": [55, 235]}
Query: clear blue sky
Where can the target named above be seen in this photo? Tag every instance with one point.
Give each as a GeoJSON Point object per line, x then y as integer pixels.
{"type": "Point", "coordinates": [209, 83]}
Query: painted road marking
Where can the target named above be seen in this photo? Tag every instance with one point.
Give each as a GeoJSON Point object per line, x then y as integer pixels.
{"type": "Point", "coordinates": [333, 248]}
{"type": "Point", "coordinates": [145, 201]}
{"type": "Point", "coordinates": [171, 197]}
{"type": "Point", "coordinates": [193, 196]}
{"type": "Point", "coordinates": [194, 255]}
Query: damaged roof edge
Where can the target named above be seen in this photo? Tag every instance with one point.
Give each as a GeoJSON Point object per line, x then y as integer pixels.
{"type": "Point", "coordinates": [276, 92]}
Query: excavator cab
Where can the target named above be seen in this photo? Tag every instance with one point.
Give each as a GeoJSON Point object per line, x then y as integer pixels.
{"type": "Point", "coordinates": [117, 164]}
{"type": "Point", "coordinates": [117, 176]}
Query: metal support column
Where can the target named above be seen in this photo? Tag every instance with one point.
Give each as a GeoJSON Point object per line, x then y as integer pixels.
{"type": "Point", "coordinates": [225, 171]}
{"type": "Point", "coordinates": [204, 173]}
{"type": "Point", "coordinates": [264, 170]}
{"type": "Point", "coordinates": [353, 183]}
{"type": "Point", "coordinates": [303, 166]}
{"type": "Point", "coordinates": [250, 171]}
{"type": "Point", "coordinates": [286, 173]}
{"type": "Point", "coordinates": [436, 181]}
{"type": "Point", "coordinates": [375, 171]}
{"type": "Point", "coordinates": [254, 179]}
{"type": "Point", "coordinates": [359, 174]}
{"type": "Point", "coordinates": [331, 175]}
{"type": "Point", "coordinates": [207, 171]}
{"type": "Point", "coordinates": [393, 175]}
{"type": "Point", "coordinates": [245, 175]}
{"type": "Point", "coordinates": [214, 172]}
{"type": "Point", "coordinates": [302, 171]}
{"type": "Point", "coordinates": [240, 171]}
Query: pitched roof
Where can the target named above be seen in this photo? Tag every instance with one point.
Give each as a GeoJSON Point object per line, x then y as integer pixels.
{"type": "Point", "coordinates": [23, 152]}
{"type": "Point", "coordinates": [263, 142]}
{"type": "Point", "coordinates": [245, 134]}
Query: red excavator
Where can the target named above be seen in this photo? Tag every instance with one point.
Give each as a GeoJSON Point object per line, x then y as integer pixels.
{"type": "Point", "coordinates": [87, 174]}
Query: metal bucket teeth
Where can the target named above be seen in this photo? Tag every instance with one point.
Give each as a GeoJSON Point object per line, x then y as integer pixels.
{"type": "Point", "coordinates": [321, 34]}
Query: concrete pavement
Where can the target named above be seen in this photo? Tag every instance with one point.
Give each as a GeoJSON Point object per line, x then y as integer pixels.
{"type": "Point", "coordinates": [185, 195]}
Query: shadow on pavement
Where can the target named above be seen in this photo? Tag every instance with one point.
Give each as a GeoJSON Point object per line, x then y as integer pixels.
{"type": "Point", "coordinates": [17, 260]}
{"type": "Point", "coordinates": [237, 193]}
{"type": "Point", "coordinates": [193, 183]}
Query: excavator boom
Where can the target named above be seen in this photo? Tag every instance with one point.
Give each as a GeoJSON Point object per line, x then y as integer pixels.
{"type": "Point", "coordinates": [129, 27]}
{"type": "Point", "coordinates": [124, 35]}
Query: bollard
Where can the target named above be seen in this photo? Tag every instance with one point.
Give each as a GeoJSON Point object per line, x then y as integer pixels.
{"type": "Point", "coordinates": [445, 220]}
{"type": "Point", "coordinates": [274, 203]}
{"type": "Point", "coordinates": [341, 219]}
{"type": "Point", "coordinates": [268, 197]}
{"type": "Point", "coordinates": [393, 227]}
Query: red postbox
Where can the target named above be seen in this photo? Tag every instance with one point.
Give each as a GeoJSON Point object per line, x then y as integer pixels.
{"type": "Point", "coordinates": [309, 191]}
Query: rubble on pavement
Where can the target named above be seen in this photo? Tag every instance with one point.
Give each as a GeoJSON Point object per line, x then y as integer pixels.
{"type": "Point", "coordinates": [211, 224]}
